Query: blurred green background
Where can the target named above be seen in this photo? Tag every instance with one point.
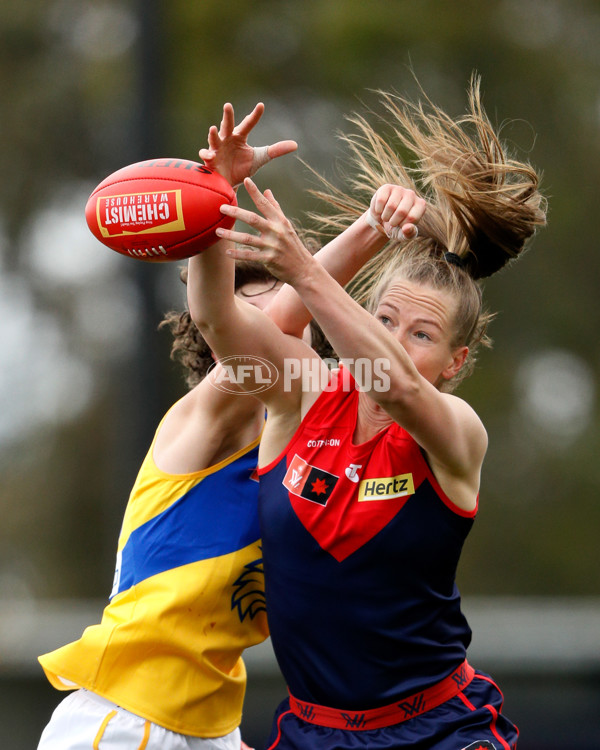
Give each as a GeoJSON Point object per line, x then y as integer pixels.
{"type": "Point", "coordinates": [89, 86]}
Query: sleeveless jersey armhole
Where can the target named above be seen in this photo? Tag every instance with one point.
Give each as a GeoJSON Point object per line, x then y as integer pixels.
{"type": "Point", "coordinates": [442, 495]}
{"type": "Point", "coordinates": [202, 472]}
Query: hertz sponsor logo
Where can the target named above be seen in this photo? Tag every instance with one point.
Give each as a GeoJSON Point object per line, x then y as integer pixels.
{"type": "Point", "coordinates": [386, 488]}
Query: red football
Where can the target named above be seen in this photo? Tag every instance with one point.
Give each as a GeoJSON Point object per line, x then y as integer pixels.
{"type": "Point", "coordinates": [160, 209]}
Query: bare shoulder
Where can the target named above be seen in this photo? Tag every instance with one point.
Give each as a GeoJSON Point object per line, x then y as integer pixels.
{"type": "Point", "coordinates": [470, 421]}
{"type": "Point", "coordinates": [457, 465]}
{"type": "Point", "coordinates": [204, 427]}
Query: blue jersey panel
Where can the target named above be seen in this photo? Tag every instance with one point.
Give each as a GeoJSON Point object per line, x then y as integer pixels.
{"type": "Point", "coordinates": [195, 527]}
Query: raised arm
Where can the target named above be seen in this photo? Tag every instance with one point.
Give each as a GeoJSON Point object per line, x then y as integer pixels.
{"type": "Point", "coordinates": [445, 426]}
{"type": "Point", "coordinates": [231, 327]}
{"type": "Point", "coordinates": [210, 422]}
{"type": "Point", "coordinates": [242, 334]}
{"type": "Point", "coordinates": [392, 208]}
{"type": "Point", "coordinates": [394, 214]}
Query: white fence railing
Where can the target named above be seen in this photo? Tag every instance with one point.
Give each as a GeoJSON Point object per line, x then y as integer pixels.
{"type": "Point", "coordinates": [517, 634]}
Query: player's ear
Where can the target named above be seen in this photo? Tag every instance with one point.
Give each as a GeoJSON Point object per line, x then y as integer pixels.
{"type": "Point", "coordinates": [458, 358]}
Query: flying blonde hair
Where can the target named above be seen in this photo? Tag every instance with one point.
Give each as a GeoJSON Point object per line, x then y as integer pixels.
{"type": "Point", "coordinates": [483, 204]}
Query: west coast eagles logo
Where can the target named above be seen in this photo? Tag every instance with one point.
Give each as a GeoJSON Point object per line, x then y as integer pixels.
{"type": "Point", "coordinates": [249, 591]}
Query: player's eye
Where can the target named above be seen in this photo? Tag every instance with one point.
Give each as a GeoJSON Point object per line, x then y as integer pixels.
{"type": "Point", "coordinates": [423, 336]}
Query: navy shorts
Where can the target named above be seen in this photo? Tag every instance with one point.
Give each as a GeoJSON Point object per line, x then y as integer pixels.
{"type": "Point", "coordinates": [473, 719]}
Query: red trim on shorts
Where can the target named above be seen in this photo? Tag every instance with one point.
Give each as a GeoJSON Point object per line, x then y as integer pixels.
{"type": "Point", "coordinates": [386, 716]}
{"type": "Point", "coordinates": [485, 678]}
{"type": "Point", "coordinates": [491, 709]}
{"type": "Point", "coordinates": [467, 702]}
{"type": "Point", "coordinates": [285, 713]}
{"type": "Point", "coordinates": [493, 729]}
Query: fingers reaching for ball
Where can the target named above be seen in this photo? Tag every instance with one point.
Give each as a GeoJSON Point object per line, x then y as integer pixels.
{"type": "Point", "coordinates": [274, 241]}
{"type": "Point", "coordinates": [229, 152]}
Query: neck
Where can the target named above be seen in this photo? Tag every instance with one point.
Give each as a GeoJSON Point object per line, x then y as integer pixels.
{"type": "Point", "coordinates": [371, 419]}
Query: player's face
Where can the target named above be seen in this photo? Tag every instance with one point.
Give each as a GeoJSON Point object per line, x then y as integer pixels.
{"type": "Point", "coordinates": [421, 319]}
{"type": "Point", "coordinates": [259, 293]}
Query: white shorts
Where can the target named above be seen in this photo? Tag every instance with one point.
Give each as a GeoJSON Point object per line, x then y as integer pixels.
{"type": "Point", "coordinates": [85, 721]}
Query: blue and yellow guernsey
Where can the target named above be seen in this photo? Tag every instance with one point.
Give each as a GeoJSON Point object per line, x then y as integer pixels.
{"type": "Point", "coordinates": [188, 598]}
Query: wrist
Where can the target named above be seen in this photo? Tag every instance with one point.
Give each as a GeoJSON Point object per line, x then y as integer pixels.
{"type": "Point", "coordinates": [309, 277]}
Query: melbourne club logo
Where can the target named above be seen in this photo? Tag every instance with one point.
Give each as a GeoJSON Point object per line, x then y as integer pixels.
{"type": "Point", "coordinates": [414, 706]}
{"type": "Point", "coordinates": [308, 481]}
{"type": "Point", "coordinates": [460, 677]}
{"type": "Point", "coordinates": [481, 745]}
{"type": "Point", "coordinates": [354, 721]}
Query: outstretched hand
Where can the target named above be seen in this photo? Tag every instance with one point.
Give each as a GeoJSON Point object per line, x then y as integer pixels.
{"type": "Point", "coordinates": [275, 243]}
{"type": "Point", "coordinates": [228, 150]}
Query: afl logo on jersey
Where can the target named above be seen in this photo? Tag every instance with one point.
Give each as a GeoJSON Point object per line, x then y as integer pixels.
{"type": "Point", "coordinates": [386, 488]}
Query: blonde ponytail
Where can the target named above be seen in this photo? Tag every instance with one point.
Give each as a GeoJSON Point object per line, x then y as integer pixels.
{"type": "Point", "coordinates": [483, 204]}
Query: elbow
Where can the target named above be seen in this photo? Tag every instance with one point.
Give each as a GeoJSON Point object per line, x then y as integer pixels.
{"type": "Point", "coordinates": [216, 323]}
{"type": "Point", "coordinates": [393, 392]}
{"type": "Point", "coordinates": [210, 329]}
{"type": "Point", "coordinates": [211, 315]}
{"type": "Point", "coordinates": [198, 315]}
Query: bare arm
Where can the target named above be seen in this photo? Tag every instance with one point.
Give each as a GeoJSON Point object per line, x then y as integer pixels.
{"type": "Point", "coordinates": [392, 207]}
{"type": "Point", "coordinates": [210, 422]}
{"type": "Point", "coordinates": [445, 426]}
{"type": "Point", "coordinates": [237, 330]}
{"type": "Point", "coordinates": [344, 256]}
{"type": "Point", "coordinates": [230, 154]}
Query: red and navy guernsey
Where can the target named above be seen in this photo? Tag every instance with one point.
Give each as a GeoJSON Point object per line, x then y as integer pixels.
{"type": "Point", "coordinates": [360, 549]}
